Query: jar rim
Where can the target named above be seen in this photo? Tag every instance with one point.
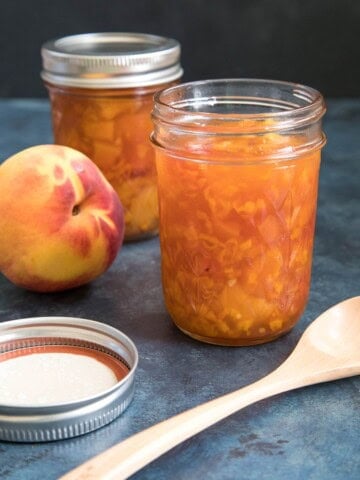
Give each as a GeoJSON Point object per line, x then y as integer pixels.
{"type": "Point", "coordinates": [310, 106]}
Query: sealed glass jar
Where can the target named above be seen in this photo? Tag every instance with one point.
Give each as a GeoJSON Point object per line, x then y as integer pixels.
{"type": "Point", "coordinates": [238, 164]}
{"type": "Point", "coordinates": [101, 89]}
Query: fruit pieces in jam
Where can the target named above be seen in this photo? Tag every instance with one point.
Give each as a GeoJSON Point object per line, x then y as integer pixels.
{"type": "Point", "coordinates": [112, 127]}
{"type": "Point", "coordinates": [237, 239]}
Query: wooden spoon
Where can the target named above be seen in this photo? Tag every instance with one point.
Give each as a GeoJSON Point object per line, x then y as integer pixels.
{"type": "Point", "coordinates": [329, 349]}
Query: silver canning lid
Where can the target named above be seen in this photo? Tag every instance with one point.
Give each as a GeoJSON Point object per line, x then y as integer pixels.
{"type": "Point", "coordinates": [65, 420]}
{"type": "Point", "coordinates": [111, 60]}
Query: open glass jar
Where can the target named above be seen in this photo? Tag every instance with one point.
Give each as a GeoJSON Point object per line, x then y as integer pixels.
{"type": "Point", "coordinates": [238, 164]}
{"type": "Point", "coordinates": [101, 89]}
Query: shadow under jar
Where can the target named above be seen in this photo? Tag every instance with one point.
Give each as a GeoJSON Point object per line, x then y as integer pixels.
{"type": "Point", "coordinates": [101, 89]}
{"type": "Point", "coordinates": [238, 164]}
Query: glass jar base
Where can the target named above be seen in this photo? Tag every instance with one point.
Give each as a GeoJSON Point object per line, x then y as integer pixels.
{"type": "Point", "coordinates": [233, 342]}
{"type": "Point", "coordinates": [141, 236]}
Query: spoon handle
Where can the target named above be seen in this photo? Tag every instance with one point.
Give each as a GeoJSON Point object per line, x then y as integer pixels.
{"type": "Point", "coordinates": [130, 455]}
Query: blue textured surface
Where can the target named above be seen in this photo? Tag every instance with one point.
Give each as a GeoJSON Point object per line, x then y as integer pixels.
{"type": "Point", "coordinates": [311, 434]}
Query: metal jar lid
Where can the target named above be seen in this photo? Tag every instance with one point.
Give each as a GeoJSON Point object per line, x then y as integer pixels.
{"type": "Point", "coordinates": [30, 423]}
{"type": "Point", "coordinates": [111, 60]}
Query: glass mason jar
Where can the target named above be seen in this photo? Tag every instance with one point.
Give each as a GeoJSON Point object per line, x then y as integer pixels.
{"type": "Point", "coordinates": [238, 164]}
{"type": "Point", "coordinates": [101, 89]}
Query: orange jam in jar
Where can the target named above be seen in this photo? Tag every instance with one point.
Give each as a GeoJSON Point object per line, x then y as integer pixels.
{"type": "Point", "coordinates": [237, 164]}
{"type": "Point", "coordinates": [101, 89]}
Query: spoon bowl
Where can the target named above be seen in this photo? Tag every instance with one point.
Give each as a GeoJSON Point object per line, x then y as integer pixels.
{"type": "Point", "coordinates": [337, 331]}
{"type": "Point", "coordinates": [329, 349]}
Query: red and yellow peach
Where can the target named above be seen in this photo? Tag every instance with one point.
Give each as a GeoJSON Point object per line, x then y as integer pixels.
{"type": "Point", "coordinates": [61, 222]}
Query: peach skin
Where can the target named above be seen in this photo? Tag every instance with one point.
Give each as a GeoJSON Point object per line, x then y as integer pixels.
{"type": "Point", "coordinates": [61, 222]}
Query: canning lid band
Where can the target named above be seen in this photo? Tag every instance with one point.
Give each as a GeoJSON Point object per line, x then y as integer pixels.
{"type": "Point", "coordinates": [111, 60]}
{"type": "Point", "coordinates": [41, 423]}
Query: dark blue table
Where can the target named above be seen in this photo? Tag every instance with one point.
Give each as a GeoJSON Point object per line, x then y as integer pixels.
{"type": "Point", "coordinates": [311, 434]}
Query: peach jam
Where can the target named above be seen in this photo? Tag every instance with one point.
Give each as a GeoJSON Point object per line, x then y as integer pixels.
{"type": "Point", "coordinates": [101, 89]}
{"type": "Point", "coordinates": [237, 164]}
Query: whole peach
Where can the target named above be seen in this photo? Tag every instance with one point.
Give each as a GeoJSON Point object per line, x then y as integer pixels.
{"type": "Point", "coordinates": [61, 222]}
